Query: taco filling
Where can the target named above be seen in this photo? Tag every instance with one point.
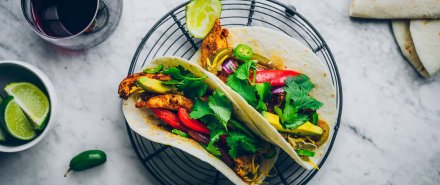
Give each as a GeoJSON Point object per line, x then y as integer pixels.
{"type": "Point", "coordinates": [186, 107]}
{"type": "Point", "coordinates": [281, 96]}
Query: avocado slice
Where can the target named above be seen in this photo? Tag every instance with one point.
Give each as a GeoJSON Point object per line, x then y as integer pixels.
{"type": "Point", "coordinates": [307, 129]}
{"type": "Point", "coordinates": [154, 86]}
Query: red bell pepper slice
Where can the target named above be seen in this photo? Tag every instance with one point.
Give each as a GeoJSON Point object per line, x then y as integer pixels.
{"type": "Point", "coordinates": [170, 118]}
{"type": "Point", "coordinates": [193, 124]}
{"type": "Point", "coordinates": [274, 77]}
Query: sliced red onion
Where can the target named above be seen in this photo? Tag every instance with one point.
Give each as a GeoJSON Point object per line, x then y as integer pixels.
{"type": "Point", "coordinates": [228, 66]}
{"type": "Point", "coordinates": [278, 90]}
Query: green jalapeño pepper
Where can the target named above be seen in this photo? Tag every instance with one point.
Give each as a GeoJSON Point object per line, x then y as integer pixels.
{"type": "Point", "coordinates": [307, 153]}
{"type": "Point", "coordinates": [87, 159]}
{"type": "Point", "coordinates": [243, 52]}
{"type": "Point", "coordinates": [315, 118]}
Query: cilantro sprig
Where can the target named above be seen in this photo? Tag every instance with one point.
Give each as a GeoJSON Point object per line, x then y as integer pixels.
{"type": "Point", "coordinates": [297, 102]}
{"type": "Point", "coordinates": [186, 82]}
{"type": "Point", "coordinates": [216, 113]}
{"type": "Point", "coordinates": [240, 144]}
{"type": "Point", "coordinates": [264, 93]}
{"type": "Point", "coordinates": [255, 94]}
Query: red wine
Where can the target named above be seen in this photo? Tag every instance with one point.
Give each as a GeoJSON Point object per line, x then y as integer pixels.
{"type": "Point", "coordinates": [63, 18]}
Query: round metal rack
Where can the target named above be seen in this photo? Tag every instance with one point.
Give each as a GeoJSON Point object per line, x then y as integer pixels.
{"type": "Point", "coordinates": [170, 37]}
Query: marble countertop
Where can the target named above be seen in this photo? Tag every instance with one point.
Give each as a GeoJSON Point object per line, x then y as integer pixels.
{"type": "Point", "coordinates": [388, 133]}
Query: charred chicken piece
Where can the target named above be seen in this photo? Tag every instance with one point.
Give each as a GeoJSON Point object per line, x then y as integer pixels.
{"type": "Point", "coordinates": [216, 39]}
{"type": "Point", "coordinates": [167, 101]}
{"type": "Point", "coordinates": [126, 86]}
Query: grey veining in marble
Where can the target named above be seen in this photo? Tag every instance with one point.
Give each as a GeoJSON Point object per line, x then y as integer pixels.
{"type": "Point", "coordinates": [389, 129]}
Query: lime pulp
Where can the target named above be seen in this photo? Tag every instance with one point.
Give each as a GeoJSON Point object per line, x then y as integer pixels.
{"type": "Point", "coordinates": [15, 121]}
{"type": "Point", "coordinates": [32, 100]}
{"type": "Point", "coordinates": [201, 16]}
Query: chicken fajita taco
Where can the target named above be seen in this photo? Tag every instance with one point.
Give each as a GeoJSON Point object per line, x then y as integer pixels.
{"type": "Point", "coordinates": [173, 102]}
{"type": "Point", "coordinates": [285, 88]}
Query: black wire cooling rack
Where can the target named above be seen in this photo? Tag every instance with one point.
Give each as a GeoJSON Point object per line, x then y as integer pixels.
{"type": "Point", "coordinates": [170, 37]}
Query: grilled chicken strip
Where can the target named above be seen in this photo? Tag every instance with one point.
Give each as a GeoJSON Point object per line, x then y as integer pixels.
{"type": "Point", "coordinates": [243, 166]}
{"type": "Point", "coordinates": [216, 39]}
{"type": "Point", "coordinates": [128, 83]}
{"type": "Point", "coordinates": [167, 101]}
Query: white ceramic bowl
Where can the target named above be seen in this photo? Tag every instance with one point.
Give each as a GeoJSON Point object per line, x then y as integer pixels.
{"type": "Point", "coordinates": [16, 71]}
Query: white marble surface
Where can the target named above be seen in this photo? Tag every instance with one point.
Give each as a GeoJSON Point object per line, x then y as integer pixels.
{"type": "Point", "coordinates": [388, 134]}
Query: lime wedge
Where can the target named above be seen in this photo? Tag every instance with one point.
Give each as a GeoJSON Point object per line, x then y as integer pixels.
{"type": "Point", "coordinates": [15, 121]}
{"type": "Point", "coordinates": [32, 100]}
{"type": "Point", "coordinates": [201, 16]}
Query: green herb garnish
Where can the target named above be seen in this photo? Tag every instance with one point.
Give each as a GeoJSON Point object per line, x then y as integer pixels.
{"type": "Point", "coordinates": [242, 71]}
{"type": "Point", "coordinates": [297, 99]}
{"type": "Point", "coordinates": [180, 133]}
{"type": "Point", "coordinates": [216, 113]}
{"type": "Point", "coordinates": [186, 82]}
{"type": "Point", "coordinates": [222, 107]}
{"type": "Point", "coordinates": [264, 94]}
{"type": "Point", "coordinates": [243, 88]}
{"type": "Point", "coordinates": [153, 70]}
{"type": "Point", "coordinates": [240, 144]}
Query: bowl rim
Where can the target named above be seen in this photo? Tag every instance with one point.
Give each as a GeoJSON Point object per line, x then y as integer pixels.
{"type": "Point", "coordinates": [52, 98]}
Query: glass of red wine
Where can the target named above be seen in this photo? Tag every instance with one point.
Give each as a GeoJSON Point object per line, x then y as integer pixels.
{"type": "Point", "coordinates": [73, 24]}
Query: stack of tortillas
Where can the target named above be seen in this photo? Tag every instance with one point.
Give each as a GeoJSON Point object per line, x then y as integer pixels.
{"type": "Point", "coordinates": [416, 27]}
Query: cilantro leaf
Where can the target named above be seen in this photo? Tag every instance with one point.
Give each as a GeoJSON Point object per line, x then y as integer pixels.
{"type": "Point", "coordinates": [171, 82]}
{"type": "Point", "coordinates": [200, 109]}
{"type": "Point", "coordinates": [297, 89]}
{"type": "Point", "coordinates": [264, 93]}
{"type": "Point", "coordinates": [217, 130]}
{"type": "Point", "coordinates": [174, 72]}
{"type": "Point", "coordinates": [186, 82]}
{"type": "Point", "coordinates": [242, 71]}
{"type": "Point", "coordinates": [307, 102]}
{"type": "Point", "coordinates": [243, 88]}
{"type": "Point", "coordinates": [297, 99]}
{"type": "Point", "coordinates": [240, 144]}
{"type": "Point", "coordinates": [193, 87]}
{"type": "Point", "coordinates": [296, 120]}
{"type": "Point", "coordinates": [290, 118]}
{"type": "Point", "coordinates": [221, 106]}
{"type": "Point", "coordinates": [304, 82]}
{"type": "Point", "coordinates": [178, 72]}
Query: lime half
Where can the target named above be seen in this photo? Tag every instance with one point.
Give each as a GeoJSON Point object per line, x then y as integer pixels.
{"type": "Point", "coordinates": [15, 121]}
{"type": "Point", "coordinates": [201, 16]}
{"type": "Point", "coordinates": [32, 100]}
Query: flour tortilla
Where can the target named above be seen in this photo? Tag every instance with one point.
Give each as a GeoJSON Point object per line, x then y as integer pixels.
{"type": "Point", "coordinates": [285, 52]}
{"type": "Point", "coordinates": [395, 9]}
{"type": "Point", "coordinates": [406, 44]}
{"type": "Point", "coordinates": [426, 37]}
{"type": "Point", "coordinates": [145, 123]}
